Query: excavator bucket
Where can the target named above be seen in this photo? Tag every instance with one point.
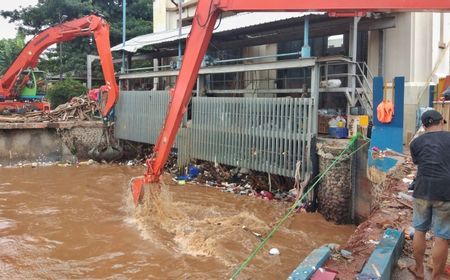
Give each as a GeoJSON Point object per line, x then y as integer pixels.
{"type": "Point", "coordinates": [137, 188]}
{"type": "Point", "coordinates": [106, 150]}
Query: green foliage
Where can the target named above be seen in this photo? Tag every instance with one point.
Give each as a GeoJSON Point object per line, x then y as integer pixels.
{"type": "Point", "coordinates": [9, 50]}
{"type": "Point", "coordinates": [61, 92]}
{"type": "Point", "coordinates": [47, 13]}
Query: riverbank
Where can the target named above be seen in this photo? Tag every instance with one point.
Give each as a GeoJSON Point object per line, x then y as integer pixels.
{"type": "Point", "coordinates": [393, 211]}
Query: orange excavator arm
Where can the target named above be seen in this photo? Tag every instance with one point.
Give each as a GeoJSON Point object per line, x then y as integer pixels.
{"type": "Point", "coordinates": [67, 31]}
{"type": "Point", "coordinates": [198, 40]}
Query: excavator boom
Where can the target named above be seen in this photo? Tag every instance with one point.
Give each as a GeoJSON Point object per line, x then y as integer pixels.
{"type": "Point", "coordinates": [66, 31]}
{"type": "Point", "coordinates": [198, 40]}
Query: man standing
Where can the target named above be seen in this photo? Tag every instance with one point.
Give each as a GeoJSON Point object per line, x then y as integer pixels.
{"type": "Point", "coordinates": [431, 153]}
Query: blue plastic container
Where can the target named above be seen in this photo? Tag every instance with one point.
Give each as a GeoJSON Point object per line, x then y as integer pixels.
{"type": "Point", "coordinates": [332, 131]}
{"type": "Point", "coordinates": [341, 132]}
{"type": "Point", "coordinates": [338, 132]}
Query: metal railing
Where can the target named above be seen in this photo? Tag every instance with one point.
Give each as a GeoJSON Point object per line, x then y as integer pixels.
{"type": "Point", "coordinates": [363, 76]}
{"type": "Point", "coordinates": [140, 115]}
{"type": "Point", "coordinates": [263, 134]}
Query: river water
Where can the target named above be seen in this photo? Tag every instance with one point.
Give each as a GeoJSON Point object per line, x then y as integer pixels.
{"type": "Point", "coordinates": [80, 223]}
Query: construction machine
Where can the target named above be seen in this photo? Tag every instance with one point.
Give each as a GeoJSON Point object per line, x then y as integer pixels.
{"type": "Point", "coordinates": [205, 18]}
{"type": "Point", "coordinates": [34, 84]}
{"type": "Point", "coordinates": [31, 88]}
{"type": "Point", "coordinates": [29, 57]}
{"type": "Point", "coordinates": [12, 94]}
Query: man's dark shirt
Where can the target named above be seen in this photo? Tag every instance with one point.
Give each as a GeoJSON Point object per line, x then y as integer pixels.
{"type": "Point", "coordinates": [431, 152]}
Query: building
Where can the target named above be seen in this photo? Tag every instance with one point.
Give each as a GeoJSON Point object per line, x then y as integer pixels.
{"type": "Point", "coordinates": [412, 45]}
{"type": "Point", "coordinates": [257, 55]}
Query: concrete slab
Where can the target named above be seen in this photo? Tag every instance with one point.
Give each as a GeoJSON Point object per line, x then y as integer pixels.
{"type": "Point", "coordinates": [384, 257]}
{"type": "Point", "coordinates": [41, 125]}
{"type": "Point", "coordinates": [310, 264]}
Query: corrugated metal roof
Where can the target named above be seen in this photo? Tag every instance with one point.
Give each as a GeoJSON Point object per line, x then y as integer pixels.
{"type": "Point", "coordinates": [238, 21]}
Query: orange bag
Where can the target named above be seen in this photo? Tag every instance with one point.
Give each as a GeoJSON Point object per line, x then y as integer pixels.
{"type": "Point", "coordinates": [385, 110]}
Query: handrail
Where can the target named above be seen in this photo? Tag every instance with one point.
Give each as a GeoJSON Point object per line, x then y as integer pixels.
{"type": "Point", "coordinates": [368, 70]}
{"type": "Point", "coordinates": [365, 67]}
{"type": "Point", "coordinates": [365, 96]}
{"type": "Point", "coordinates": [369, 101]}
{"type": "Point", "coordinates": [365, 79]}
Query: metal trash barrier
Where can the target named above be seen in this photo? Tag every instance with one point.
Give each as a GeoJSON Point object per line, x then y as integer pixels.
{"type": "Point", "coordinates": [140, 115]}
{"type": "Point", "coordinates": [262, 134]}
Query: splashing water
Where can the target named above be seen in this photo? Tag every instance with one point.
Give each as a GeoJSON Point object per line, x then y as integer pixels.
{"type": "Point", "coordinates": [82, 223]}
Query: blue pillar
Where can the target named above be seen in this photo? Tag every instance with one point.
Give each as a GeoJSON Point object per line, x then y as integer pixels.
{"type": "Point", "coordinates": [306, 49]}
{"type": "Point", "coordinates": [399, 106]}
{"type": "Point", "coordinates": [387, 135]}
{"type": "Point", "coordinates": [378, 87]}
{"type": "Point", "coordinates": [384, 257]}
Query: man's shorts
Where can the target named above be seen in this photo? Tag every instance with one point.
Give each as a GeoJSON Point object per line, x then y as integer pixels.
{"type": "Point", "coordinates": [432, 214]}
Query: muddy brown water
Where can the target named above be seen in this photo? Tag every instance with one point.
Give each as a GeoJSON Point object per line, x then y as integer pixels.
{"type": "Point", "coordinates": [80, 223]}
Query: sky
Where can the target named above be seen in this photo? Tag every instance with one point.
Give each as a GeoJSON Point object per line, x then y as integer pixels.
{"type": "Point", "coordinates": [9, 30]}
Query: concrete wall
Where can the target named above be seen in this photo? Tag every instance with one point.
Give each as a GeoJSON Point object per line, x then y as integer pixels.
{"type": "Point", "coordinates": [435, 46]}
{"type": "Point", "coordinates": [416, 95]}
{"type": "Point", "coordinates": [397, 48]}
{"type": "Point", "coordinates": [373, 52]}
{"type": "Point", "coordinates": [261, 79]}
{"type": "Point", "coordinates": [165, 14]}
{"type": "Point", "coordinates": [33, 145]}
{"type": "Point", "coordinates": [159, 15]}
{"type": "Point", "coordinates": [413, 47]}
{"type": "Point", "coordinates": [47, 144]}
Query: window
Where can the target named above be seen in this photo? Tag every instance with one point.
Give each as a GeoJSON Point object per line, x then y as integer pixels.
{"type": "Point", "coordinates": [335, 41]}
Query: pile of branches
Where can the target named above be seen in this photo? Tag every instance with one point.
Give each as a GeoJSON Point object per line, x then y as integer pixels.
{"type": "Point", "coordinates": [79, 109]}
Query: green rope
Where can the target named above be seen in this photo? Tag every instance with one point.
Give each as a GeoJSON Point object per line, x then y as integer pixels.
{"type": "Point", "coordinates": [293, 207]}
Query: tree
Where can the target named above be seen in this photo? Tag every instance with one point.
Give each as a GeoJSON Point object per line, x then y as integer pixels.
{"type": "Point", "coordinates": [9, 50]}
{"type": "Point", "coordinates": [48, 12]}
{"type": "Point", "coordinates": [61, 92]}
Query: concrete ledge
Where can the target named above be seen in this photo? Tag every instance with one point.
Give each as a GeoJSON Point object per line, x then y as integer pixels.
{"type": "Point", "coordinates": [310, 264]}
{"type": "Point", "coordinates": [385, 255]}
{"type": "Point", "coordinates": [32, 145]}
{"type": "Point", "coordinates": [41, 125]}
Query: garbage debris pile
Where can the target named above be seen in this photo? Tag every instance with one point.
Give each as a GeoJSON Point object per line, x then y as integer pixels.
{"type": "Point", "coordinates": [390, 212]}
{"type": "Point", "coordinates": [394, 210]}
{"type": "Point", "coordinates": [136, 155]}
{"type": "Point", "coordinates": [241, 181]}
{"type": "Point", "coordinates": [78, 108]}
{"type": "Point", "coordinates": [45, 162]}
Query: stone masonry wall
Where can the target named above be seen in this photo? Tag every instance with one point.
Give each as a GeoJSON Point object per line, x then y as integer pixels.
{"type": "Point", "coordinates": [80, 140]}
{"type": "Point", "coordinates": [335, 188]}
